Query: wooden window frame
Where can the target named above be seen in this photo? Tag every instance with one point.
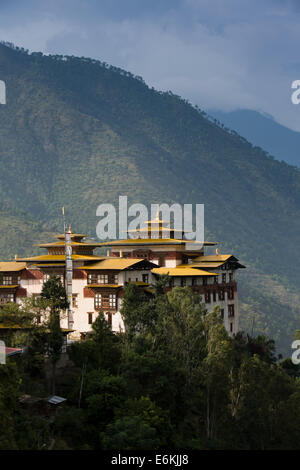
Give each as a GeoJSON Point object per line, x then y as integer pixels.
{"type": "Point", "coordinates": [112, 301]}
{"type": "Point", "coordinates": [98, 300]}
{"type": "Point", "coordinates": [7, 280]}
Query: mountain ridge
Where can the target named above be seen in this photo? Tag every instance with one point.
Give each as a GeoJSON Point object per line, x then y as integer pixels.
{"type": "Point", "coordinates": [264, 131]}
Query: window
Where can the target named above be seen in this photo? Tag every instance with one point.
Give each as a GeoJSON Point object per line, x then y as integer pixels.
{"type": "Point", "coordinates": [74, 301]}
{"type": "Point", "coordinates": [222, 313]}
{"type": "Point", "coordinates": [114, 279]}
{"type": "Point", "coordinates": [105, 301]}
{"type": "Point", "coordinates": [224, 278]}
{"type": "Point", "coordinates": [112, 300]}
{"type": "Point", "coordinates": [231, 310]}
{"type": "Point", "coordinates": [103, 278]}
{"type": "Point", "coordinates": [204, 281]}
{"type": "Point", "coordinates": [7, 280]}
{"type": "Point", "coordinates": [109, 318]}
{"type": "Point", "coordinates": [5, 298]}
{"type": "Point", "coordinates": [214, 296]}
{"type": "Point", "coordinates": [216, 280]}
{"type": "Point", "coordinates": [183, 281]}
{"type": "Point", "coordinates": [46, 277]}
{"type": "Point", "coordinates": [194, 281]}
{"type": "Point", "coordinates": [207, 297]}
{"type": "Point", "coordinates": [98, 300]}
{"type": "Point", "coordinates": [230, 277]}
{"type": "Point", "coordinates": [145, 278]}
{"type": "Point", "coordinates": [231, 327]}
{"type": "Point", "coordinates": [90, 318]}
{"type": "Point", "coordinates": [97, 278]}
{"type": "Point", "coordinates": [231, 293]}
{"type": "Point", "coordinates": [222, 294]}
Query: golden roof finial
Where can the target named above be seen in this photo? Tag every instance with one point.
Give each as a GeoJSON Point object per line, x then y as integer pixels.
{"type": "Point", "coordinates": [70, 229]}
{"type": "Point", "coordinates": [16, 256]}
{"type": "Point", "coordinates": [217, 251]}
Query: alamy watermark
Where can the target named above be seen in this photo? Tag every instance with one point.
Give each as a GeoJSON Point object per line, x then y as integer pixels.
{"type": "Point", "coordinates": [2, 353]}
{"type": "Point", "coordinates": [296, 354]}
{"type": "Point", "coordinates": [2, 92]}
{"type": "Point", "coordinates": [177, 221]}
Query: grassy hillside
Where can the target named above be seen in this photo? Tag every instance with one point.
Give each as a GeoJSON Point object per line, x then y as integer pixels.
{"type": "Point", "coordinates": [76, 132]}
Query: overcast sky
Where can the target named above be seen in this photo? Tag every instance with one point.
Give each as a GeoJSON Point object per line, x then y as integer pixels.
{"type": "Point", "coordinates": [222, 54]}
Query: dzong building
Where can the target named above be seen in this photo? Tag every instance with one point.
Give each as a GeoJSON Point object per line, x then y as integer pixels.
{"type": "Point", "coordinates": [96, 283]}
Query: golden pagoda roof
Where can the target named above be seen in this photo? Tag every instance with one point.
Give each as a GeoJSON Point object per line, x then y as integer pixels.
{"type": "Point", "coordinates": [155, 221]}
{"type": "Point", "coordinates": [72, 235]}
{"type": "Point", "coordinates": [62, 244]}
{"type": "Point", "coordinates": [11, 266]}
{"type": "Point", "coordinates": [62, 258]}
{"type": "Point", "coordinates": [202, 265]}
{"type": "Point", "coordinates": [182, 272]}
{"type": "Point", "coordinates": [154, 229]}
{"type": "Point", "coordinates": [212, 258]}
{"type": "Point", "coordinates": [114, 263]}
{"type": "Point", "coordinates": [50, 265]}
{"type": "Point", "coordinates": [215, 261]}
{"type": "Point", "coordinates": [113, 286]}
{"type": "Point", "coordinates": [10, 286]}
{"type": "Point", "coordinates": [154, 241]}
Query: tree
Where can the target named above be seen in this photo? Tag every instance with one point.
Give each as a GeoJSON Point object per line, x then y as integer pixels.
{"type": "Point", "coordinates": [27, 331]}
{"type": "Point", "coordinates": [137, 311]}
{"type": "Point", "coordinates": [102, 350]}
{"type": "Point", "coordinates": [214, 374]}
{"type": "Point", "coordinates": [9, 388]}
{"type": "Point", "coordinates": [55, 294]}
{"type": "Point", "coordinates": [151, 414]}
{"type": "Point", "coordinates": [130, 433]}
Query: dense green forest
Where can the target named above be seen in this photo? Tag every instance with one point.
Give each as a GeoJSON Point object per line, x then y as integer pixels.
{"type": "Point", "coordinates": [76, 132]}
{"type": "Point", "coordinates": [174, 380]}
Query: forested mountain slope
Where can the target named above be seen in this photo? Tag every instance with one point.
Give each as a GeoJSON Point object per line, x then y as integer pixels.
{"type": "Point", "coordinates": [262, 130]}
